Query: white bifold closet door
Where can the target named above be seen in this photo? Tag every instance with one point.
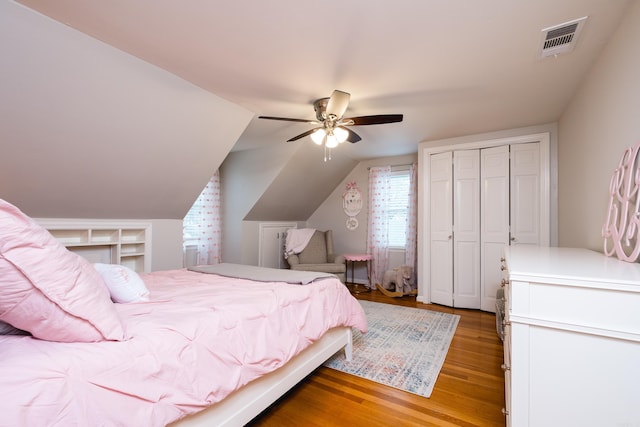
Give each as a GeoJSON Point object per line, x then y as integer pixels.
{"type": "Point", "coordinates": [455, 228]}
{"type": "Point", "coordinates": [480, 200]}
{"type": "Point", "coordinates": [466, 229]}
{"type": "Point", "coordinates": [525, 194]}
{"type": "Point", "coordinates": [441, 225]}
{"type": "Point", "coordinates": [510, 208]}
{"type": "Point", "coordinates": [495, 220]}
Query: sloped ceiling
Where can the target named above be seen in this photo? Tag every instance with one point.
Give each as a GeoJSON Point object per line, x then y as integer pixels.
{"type": "Point", "coordinates": [451, 67]}
{"type": "Point", "coordinates": [87, 130]}
{"type": "Point", "coordinates": [299, 188]}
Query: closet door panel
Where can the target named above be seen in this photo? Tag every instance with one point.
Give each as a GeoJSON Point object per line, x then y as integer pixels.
{"type": "Point", "coordinates": [467, 281]}
{"type": "Point", "coordinates": [271, 244]}
{"type": "Point", "coordinates": [442, 273]}
{"type": "Point", "coordinates": [525, 194]}
{"type": "Point", "coordinates": [466, 235]}
{"type": "Point", "coordinates": [494, 220]}
{"type": "Point", "coordinates": [441, 219]}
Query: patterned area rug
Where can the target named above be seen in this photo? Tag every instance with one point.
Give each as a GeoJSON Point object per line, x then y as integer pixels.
{"type": "Point", "coordinates": [404, 347]}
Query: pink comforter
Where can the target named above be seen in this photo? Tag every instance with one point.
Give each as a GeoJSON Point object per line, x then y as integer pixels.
{"type": "Point", "coordinates": [200, 337]}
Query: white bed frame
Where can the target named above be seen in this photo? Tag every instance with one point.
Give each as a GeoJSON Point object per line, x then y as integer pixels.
{"type": "Point", "coordinates": [243, 405]}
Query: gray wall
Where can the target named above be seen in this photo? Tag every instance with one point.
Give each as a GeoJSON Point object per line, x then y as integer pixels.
{"type": "Point", "coordinates": [601, 121]}
{"type": "Point", "coordinates": [244, 176]}
{"type": "Point", "coordinates": [331, 216]}
{"type": "Point", "coordinates": [286, 182]}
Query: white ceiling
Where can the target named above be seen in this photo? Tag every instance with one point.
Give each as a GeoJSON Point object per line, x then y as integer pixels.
{"type": "Point", "coordinates": [452, 67]}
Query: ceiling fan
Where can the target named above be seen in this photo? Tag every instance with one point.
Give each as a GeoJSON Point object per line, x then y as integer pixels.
{"type": "Point", "coordinates": [333, 126]}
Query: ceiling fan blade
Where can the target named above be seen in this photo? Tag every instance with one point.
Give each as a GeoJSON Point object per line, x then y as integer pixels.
{"type": "Point", "coordinates": [302, 135]}
{"type": "Point", "coordinates": [286, 119]}
{"type": "Point", "coordinates": [373, 120]}
{"type": "Point", "coordinates": [353, 137]}
{"type": "Point", "coordinates": [338, 104]}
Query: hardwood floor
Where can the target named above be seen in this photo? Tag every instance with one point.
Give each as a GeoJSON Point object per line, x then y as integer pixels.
{"type": "Point", "coordinates": [469, 390]}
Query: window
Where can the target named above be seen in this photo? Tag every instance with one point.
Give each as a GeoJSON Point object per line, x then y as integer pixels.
{"type": "Point", "coordinates": [190, 225]}
{"type": "Point", "coordinates": [201, 226]}
{"type": "Point", "coordinates": [398, 208]}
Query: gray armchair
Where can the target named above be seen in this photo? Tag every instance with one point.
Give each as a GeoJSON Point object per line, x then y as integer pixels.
{"type": "Point", "coordinates": [318, 256]}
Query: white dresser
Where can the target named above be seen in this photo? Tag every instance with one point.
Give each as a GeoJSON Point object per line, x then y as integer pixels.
{"type": "Point", "coordinates": [572, 338]}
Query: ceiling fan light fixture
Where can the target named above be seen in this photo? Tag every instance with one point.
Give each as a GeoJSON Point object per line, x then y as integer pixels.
{"type": "Point", "coordinates": [331, 141]}
{"type": "Point", "coordinates": [341, 134]}
{"type": "Point", "coordinates": [318, 136]}
{"type": "Point", "coordinates": [333, 128]}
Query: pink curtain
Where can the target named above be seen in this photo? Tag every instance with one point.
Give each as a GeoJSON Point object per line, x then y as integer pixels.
{"type": "Point", "coordinates": [377, 234]}
{"type": "Point", "coordinates": [411, 250]}
{"type": "Point", "coordinates": [202, 225]}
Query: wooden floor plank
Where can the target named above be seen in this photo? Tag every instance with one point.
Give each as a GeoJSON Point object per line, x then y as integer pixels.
{"type": "Point", "coordinates": [469, 390]}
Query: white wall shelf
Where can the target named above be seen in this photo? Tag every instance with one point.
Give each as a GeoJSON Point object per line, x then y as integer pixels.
{"type": "Point", "coordinates": [126, 243]}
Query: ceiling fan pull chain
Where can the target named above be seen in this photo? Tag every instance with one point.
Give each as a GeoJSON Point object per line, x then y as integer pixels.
{"type": "Point", "coordinates": [327, 150]}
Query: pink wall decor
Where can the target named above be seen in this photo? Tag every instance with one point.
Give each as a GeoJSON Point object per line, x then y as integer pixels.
{"type": "Point", "coordinates": [622, 227]}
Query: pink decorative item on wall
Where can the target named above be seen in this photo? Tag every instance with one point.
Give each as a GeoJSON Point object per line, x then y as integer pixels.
{"type": "Point", "coordinates": [622, 227]}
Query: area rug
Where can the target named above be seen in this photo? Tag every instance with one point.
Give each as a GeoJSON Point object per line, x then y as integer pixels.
{"type": "Point", "coordinates": [404, 348]}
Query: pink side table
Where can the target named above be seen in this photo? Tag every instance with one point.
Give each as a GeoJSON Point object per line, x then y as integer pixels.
{"type": "Point", "coordinates": [353, 258]}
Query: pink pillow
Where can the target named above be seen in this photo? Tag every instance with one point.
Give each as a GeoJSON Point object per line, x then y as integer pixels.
{"type": "Point", "coordinates": [47, 290]}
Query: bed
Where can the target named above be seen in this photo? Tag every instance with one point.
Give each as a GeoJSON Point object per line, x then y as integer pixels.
{"type": "Point", "coordinates": [189, 348]}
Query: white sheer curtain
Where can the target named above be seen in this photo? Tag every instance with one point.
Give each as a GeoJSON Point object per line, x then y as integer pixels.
{"type": "Point", "coordinates": [411, 250]}
{"type": "Point", "coordinates": [202, 225]}
{"type": "Point", "coordinates": [377, 234]}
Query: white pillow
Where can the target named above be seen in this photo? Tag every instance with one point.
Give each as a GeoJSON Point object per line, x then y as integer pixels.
{"type": "Point", "coordinates": [123, 283]}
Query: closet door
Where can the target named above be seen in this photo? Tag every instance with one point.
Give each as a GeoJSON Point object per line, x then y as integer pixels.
{"type": "Point", "coordinates": [271, 244]}
{"type": "Point", "coordinates": [525, 194]}
{"type": "Point", "coordinates": [466, 229]}
{"type": "Point", "coordinates": [441, 221]}
{"type": "Point", "coordinates": [514, 209]}
{"type": "Point", "coordinates": [494, 220]}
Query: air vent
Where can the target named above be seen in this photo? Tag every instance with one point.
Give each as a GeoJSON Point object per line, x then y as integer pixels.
{"type": "Point", "coordinates": [561, 38]}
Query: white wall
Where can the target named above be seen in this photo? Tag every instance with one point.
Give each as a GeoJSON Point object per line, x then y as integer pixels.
{"type": "Point", "coordinates": [330, 214]}
{"type": "Point", "coordinates": [601, 121]}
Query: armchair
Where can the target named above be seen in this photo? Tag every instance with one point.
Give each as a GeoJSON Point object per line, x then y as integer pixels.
{"type": "Point", "coordinates": [318, 256]}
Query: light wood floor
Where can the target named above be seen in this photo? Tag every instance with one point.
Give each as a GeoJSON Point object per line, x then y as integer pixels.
{"type": "Point", "coordinates": [469, 390]}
